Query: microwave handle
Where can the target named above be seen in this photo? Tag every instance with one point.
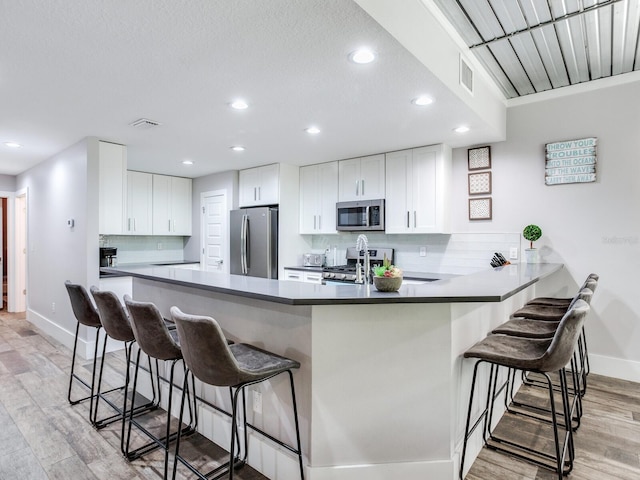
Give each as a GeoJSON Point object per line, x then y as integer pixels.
{"type": "Point", "coordinates": [367, 213]}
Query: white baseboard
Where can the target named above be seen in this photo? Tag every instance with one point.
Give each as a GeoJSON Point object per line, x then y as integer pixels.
{"type": "Point", "coordinates": [615, 367]}
{"type": "Point", "coordinates": [384, 471]}
{"type": "Point", "coordinates": [85, 347]}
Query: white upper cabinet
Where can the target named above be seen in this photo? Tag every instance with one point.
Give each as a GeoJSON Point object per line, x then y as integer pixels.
{"type": "Point", "coordinates": [139, 203]}
{"type": "Point", "coordinates": [112, 161]}
{"type": "Point", "coordinates": [361, 178]}
{"type": "Point", "coordinates": [418, 183]}
{"type": "Point", "coordinates": [171, 205]}
{"type": "Point", "coordinates": [318, 197]}
{"type": "Point", "coordinates": [259, 186]}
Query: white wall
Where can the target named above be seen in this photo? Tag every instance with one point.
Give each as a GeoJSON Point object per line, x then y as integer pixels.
{"type": "Point", "coordinates": [58, 189]}
{"type": "Point", "coordinates": [7, 183]}
{"type": "Point", "coordinates": [592, 227]}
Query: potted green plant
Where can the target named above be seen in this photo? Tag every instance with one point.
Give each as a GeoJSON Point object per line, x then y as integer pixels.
{"type": "Point", "coordinates": [387, 277]}
{"type": "Point", "coordinates": [531, 233]}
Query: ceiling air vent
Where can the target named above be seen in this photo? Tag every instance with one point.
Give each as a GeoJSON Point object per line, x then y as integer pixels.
{"type": "Point", "coordinates": [466, 75]}
{"type": "Point", "coordinates": [144, 123]}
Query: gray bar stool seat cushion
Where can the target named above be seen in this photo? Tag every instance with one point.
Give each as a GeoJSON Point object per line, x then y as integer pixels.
{"type": "Point", "coordinates": [526, 327]}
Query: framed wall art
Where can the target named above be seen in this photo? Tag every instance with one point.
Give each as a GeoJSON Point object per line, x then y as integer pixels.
{"type": "Point", "coordinates": [479, 158]}
{"type": "Point", "coordinates": [480, 208]}
{"type": "Point", "coordinates": [480, 183]}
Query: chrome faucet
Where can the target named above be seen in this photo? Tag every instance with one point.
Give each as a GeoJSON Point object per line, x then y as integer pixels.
{"type": "Point", "coordinates": [363, 244]}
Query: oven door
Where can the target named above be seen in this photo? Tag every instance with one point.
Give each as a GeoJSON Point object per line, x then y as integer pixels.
{"type": "Point", "coordinates": [326, 281]}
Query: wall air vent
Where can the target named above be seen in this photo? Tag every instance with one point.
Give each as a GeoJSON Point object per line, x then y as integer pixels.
{"type": "Point", "coordinates": [144, 123]}
{"type": "Point", "coordinates": [466, 75]}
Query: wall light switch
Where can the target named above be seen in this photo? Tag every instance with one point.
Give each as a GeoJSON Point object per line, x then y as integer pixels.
{"type": "Point", "coordinates": [423, 251]}
{"type": "Point", "coordinates": [513, 253]}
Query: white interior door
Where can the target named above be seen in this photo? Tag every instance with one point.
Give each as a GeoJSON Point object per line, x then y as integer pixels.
{"type": "Point", "coordinates": [215, 239]}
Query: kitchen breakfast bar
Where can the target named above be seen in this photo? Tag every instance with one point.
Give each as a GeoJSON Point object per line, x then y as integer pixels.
{"type": "Point", "coordinates": [382, 389]}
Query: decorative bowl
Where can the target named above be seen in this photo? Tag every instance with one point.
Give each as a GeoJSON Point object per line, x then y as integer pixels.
{"type": "Point", "coordinates": [387, 284]}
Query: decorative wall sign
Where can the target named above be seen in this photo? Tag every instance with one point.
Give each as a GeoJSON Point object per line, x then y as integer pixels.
{"type": "Point", "coordinates": [479, 183]}
{"type": "Point", "coordinates": [479, 158]}
{"type": "Point", "coordinates": [571, 161]}
{"type": "Point", "coordinates": [480, 208]}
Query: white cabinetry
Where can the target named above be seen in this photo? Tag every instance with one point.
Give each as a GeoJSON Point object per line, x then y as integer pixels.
{"type": "Point", "coordinates": [171, 205]}
{"type": "Point", "coordinates": [259, 186]}
{"type": "Point", "coordinates": [112, 168]}
{"type": "Point", "coordinates": [318, 197]}
{"type": "Point", "coordinates": [139, 203]}
{"type": "Point", "coordinates": [302, 276]}
{"type": "Point", "coordinates": [362, 178]}
{"type": "Point", "coordinates": [418, 183]}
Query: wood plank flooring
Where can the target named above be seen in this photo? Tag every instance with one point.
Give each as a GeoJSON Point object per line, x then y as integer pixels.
{"type": "Point", "coordinates": [43, 437]}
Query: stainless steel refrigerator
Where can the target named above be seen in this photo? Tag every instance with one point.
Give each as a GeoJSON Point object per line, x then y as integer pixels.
{"type": "Point", "coordinates": [254, 242]}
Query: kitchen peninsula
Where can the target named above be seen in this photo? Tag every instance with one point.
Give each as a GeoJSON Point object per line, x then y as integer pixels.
{"type": "Point", "coordinates": [382, 389]}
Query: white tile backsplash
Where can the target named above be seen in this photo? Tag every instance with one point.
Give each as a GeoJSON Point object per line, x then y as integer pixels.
{"type": "Point", "coordinates": [456, 253]}
{"type": "Point", "coordinates": [144, 249]}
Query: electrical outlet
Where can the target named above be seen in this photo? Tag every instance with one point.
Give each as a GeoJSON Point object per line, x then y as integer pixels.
{"type": "Point", "coordinates": [513, 253]}
{"type": "Point", "coordinates": [53, 307]}
{"type": "Point", "coordinates": [423, 251]}
{"type": "Point", "coordinates": [159, 246]}
{"type": "Point", "coordinates": [257, 401]}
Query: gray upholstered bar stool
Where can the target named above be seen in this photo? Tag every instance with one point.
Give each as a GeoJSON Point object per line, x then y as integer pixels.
{"type": "Point", "coordinates": [561, 302]}
{"type": "Point", "coordinates": [554, 314]}
{"type": "Point", "coordinates": [209, 357]}
{"type": "Point", "coordinates": [546, 329]}
{"type": "Point", "coordinates": [533, 355]}
{"type": "Point", "coordinates": [86, 315]}
{"type": "Point", "coordinates": [115, 322]}
{"type": "Point", "coordinates": [158, 342]}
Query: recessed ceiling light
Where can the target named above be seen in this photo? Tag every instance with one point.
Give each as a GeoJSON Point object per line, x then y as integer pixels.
{"type": "Point", "coordinates": [362, 55]}
{"type": "Point", "coordinates": [237, 148]}
{"type": "Point", "coordinates": [461, 129]}
{"type": "Point", "coordinates": [187, 162]}
{"type": "Point", "coordinates": [422, 101]}
{"type": "Point", "coordinates": [239, 104]}
{"type": "Point", "coordinates": [312, 130]}
{"type": "Point", "coordinates": [12, 144]}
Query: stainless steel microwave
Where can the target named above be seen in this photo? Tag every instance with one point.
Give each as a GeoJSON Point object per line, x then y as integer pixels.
{"type": "Point", "coordinates": [360, 215]}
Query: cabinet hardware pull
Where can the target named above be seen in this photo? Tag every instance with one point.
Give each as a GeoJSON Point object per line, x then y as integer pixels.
{"type": "Point", "coordinates": [362, 187]}
{"type": "Point", "coordinates": [408, 218]}
{"type": "Point", "coordinates": [319, 222]}
{"type": "Point", "coordinates": [314, 222]}
{"type": "Point", "coordinates": [357, 188]}
{"type": "Point", "coordinates": [415, 221]}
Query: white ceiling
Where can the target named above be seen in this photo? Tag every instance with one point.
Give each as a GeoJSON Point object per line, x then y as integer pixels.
{"type": "Point", "coordinates": [76, 68]}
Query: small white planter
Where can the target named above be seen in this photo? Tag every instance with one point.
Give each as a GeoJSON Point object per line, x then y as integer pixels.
{"type": "Point", "coordinates": [531, 255]}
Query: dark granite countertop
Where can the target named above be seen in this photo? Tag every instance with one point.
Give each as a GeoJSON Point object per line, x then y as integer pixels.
{"type": "Point", "coordinates": [493, 285]}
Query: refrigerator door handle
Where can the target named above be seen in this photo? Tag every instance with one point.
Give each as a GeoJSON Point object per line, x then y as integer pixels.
{"type": "Point", "coordinates": [243, 245]}
{"type": "Point", "coordinates": [269, 244]}
{"type": "Point", "coordinates": [246, 244]}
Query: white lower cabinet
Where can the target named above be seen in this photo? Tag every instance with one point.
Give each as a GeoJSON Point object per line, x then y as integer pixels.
{"type": "Point", "coordinates": [418, 189]}
{"type": "Point", "coordinates": [302, 276]}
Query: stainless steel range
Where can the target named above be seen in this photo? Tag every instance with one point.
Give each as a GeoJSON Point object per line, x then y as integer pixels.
{"type": "Point", "coordinates": [346, 274]}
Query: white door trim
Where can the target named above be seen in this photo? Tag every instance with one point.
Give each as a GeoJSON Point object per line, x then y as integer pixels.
{"type": "Point", "coordinates": [13, 301]}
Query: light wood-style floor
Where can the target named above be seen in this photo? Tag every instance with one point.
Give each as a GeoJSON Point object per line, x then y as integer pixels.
{"type": "Point", "coordinates": [42, 436]}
